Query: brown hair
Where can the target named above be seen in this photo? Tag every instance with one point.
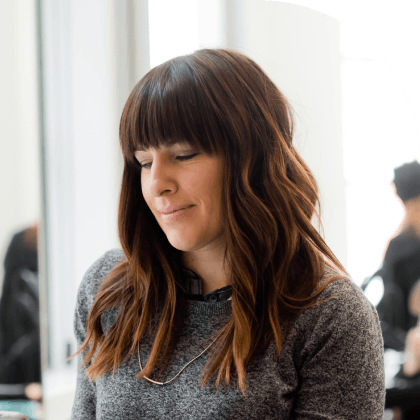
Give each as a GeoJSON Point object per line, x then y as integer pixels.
{"type": "Point", "coordinates": [222, 102]}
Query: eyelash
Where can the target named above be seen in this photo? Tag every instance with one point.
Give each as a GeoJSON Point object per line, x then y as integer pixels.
{"type": "Point", "coordinates": [178, 157]}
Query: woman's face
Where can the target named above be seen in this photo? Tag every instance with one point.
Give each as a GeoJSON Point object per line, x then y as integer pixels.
{"type": "Point", "coordinates": [183, 176]}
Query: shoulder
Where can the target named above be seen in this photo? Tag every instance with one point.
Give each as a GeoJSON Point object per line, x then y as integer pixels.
{"type": "Point", "coordinates": [346, 291]}
{"type": "Point", "coordinates": [349, 312]}
{"type": "Point", "coordinates": [349, 298]}
{"type": "Point", "coordinates": [402, 245]}
{"type": "Point", "coordinates": [95, 275]}
{"type": "Point", "coordinates": [338, 355]}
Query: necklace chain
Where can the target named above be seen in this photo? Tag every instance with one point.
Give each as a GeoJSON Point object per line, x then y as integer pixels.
{"type": "Point", "coordinates": [164, 383]}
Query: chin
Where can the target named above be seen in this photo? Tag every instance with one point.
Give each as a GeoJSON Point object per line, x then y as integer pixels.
{"type": "Point", "coordinates": [186, 245]}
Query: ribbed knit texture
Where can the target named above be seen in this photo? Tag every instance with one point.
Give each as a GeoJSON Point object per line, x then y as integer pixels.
{"type": "Point", "coordinates": [331, 367]}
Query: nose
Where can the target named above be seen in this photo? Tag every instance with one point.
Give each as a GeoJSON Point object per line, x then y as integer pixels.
{"type": "Point", "coordinates": [161, 179]}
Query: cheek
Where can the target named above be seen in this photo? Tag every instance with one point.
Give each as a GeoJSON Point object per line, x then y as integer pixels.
{"type": "Point", "coordinates": [214, 194]}
{"type": "Point", "coordinates": [145, 194]}
{"type": "Point", "coordinates": [207, 187]}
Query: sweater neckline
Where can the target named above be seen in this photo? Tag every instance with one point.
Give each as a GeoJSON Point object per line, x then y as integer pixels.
{"type": "Point", "coordinates": [209, 308]}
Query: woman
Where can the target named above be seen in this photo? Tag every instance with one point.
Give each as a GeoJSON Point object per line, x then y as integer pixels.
{"type": "Point", "coordinates": [239, 278]}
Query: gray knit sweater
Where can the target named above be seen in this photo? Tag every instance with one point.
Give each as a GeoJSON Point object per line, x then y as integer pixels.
{"type": "Point", "coordinates": [331, 367]}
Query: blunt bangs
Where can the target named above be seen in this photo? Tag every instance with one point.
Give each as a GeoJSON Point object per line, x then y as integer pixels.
{"type": "Point", "coordinates": [170, 105]}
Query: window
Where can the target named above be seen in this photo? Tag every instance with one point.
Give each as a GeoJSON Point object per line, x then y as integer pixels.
{"type": "Point", "coordinates": [378, 135]}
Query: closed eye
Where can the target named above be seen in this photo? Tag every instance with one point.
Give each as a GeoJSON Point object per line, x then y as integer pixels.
{"type": "Point", "coordinates": [182, 158]}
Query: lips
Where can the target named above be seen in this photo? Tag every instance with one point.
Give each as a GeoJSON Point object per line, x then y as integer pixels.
{"type": "Point", "coordinates": [173, 209]}
{"type": "Point", "coordinates": [178, 216]}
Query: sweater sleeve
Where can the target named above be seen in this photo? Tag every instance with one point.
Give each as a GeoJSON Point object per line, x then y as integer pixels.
{"type": "Point", "coordinates": [341, 373]}
{"type": "Point", "coordinates": [84, 406]}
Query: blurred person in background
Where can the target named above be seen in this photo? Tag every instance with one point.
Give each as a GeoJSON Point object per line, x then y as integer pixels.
{"type": "Point", "coordinates": [401, 264]}
{"type": "Point", "coordinates": [20, 352]}
{"type": "Point", "coordinates": [406, 406]}
{"type": "Point", "coordinates": [411, 366]}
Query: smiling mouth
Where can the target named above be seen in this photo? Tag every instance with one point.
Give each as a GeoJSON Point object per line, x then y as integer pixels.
{"type": "Point", "coordinates": [175, 215]}
{"type": "Point", "coordinates": [184, 208]}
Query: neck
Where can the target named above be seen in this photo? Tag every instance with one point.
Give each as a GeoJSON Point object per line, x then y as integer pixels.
{"type": "Point", "coordinates": [209, 268]}
{"type": "Point", "coordinates": [412, 215]}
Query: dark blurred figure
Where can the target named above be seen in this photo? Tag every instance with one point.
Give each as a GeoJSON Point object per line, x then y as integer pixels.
{"type": "Point", "coordinates": [404, 398]}
{"type": "Point", "coordinates": [20, 351]}
{"type": "Point", "coordinates": [401, 265]}
{"type": "Point", "coordinates": [399, 308]}
{"type": "Point", "coordinates": [411, 366]}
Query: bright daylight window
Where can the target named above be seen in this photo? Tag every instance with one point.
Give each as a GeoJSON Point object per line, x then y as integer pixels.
{"type": "Point", "coordinates": [378, 135]}
{"type": "Point", "coordinates": [170, 36]}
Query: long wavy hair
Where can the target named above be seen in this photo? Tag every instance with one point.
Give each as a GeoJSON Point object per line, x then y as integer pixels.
{"type": "Point", "coordinates": [222, 102]}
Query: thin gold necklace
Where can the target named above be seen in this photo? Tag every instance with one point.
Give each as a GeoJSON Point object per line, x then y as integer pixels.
{"type": "Point", "coordinates": [164, 383]}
